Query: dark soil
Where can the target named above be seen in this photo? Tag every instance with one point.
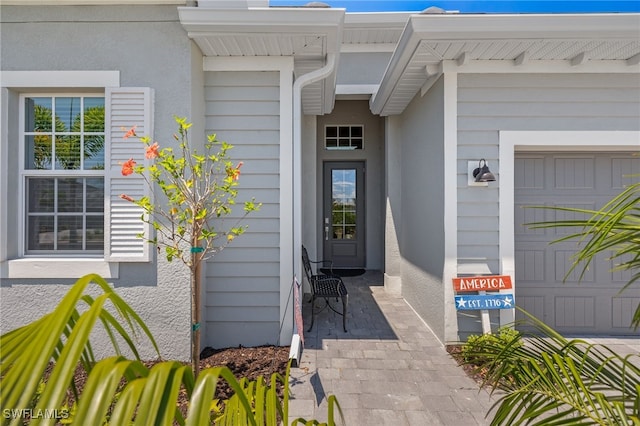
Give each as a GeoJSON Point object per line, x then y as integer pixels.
{"type": "Point", "coordinates": [476, 373]}
{"type": "Point", "coordinates": [243, 362]}
{"type": "Point", "coordinates": [246, 362]}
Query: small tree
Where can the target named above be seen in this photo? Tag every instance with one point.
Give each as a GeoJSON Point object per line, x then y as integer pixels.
{"type": "Point", "coordinates": [199, 190]}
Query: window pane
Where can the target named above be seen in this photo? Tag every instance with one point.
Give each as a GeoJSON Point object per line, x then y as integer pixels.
{"type": "Point", "coordinates": [68, 114]}
{"type": "Point", "coordinates": [95, 232]}
{"type": "Point", "coordinates": [344, 131]}
{"type": "Point", "coordinates": [70, 195]}
{"type": "Point", "coordinates": [64, 211]}
{"type": "Point", "coordinates": [70, 232]}
{"type": "Point", "coordinates": [94, 153]}
{"type": "Point", "coordinates": [343, 215]}
{"type": "Point", "coordinates": [349, 232]}
{"type": "Point", "coordinates": [37, 115]}
{"type": "Point", "coordinates": [94, 114]}
{"type": "Point", "coordinates": [331, 132]}
{"type": "Point", "coordinates": [356, 132]}
{"type": "Point", "coordinates": [95, 195]}
{"type": "Point", "coordinates": [40, 195]}
{"type": "Point", "coordinates": [40, 233]}
{"type": "Point", "coordinates": [68, 152]}
{"type": "Point", "coordinates": [38, 152]}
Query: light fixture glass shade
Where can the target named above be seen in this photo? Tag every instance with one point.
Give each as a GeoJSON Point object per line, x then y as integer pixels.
{"type": "Point", "coordinates": [482, 173]}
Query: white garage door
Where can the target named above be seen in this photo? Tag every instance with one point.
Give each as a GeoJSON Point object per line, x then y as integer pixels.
{"type": "Point", "coordinates": [580, 180]}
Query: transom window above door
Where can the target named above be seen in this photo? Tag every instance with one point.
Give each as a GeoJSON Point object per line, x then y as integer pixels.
{"type": "Point", "coordinates": [344, 137]}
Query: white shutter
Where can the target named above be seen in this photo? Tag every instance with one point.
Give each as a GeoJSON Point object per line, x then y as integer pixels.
{"type": "Point", "coordinates": [126, 107]}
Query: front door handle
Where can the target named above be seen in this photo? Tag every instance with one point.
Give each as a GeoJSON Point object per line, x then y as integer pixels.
{"type": "Point", "coordinates": [326, 229]}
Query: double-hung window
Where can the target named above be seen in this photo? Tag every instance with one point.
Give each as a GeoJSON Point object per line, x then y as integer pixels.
{"type": "Point", "coordinates": [62, 174]}
{"type": "Point", "coordinates": [61, 150]}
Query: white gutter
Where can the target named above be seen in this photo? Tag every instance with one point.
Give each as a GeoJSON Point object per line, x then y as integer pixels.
{"type": "Point", "coordinates": [298, 85]}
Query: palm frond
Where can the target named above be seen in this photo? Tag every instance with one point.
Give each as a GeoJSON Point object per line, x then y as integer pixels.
{"type": "Point", "coordinates": [614, 229]}
{"type": "Point", "coordinates": [119, 390]}
{"type": "Point", "coordinates": [556, 381]}
{"type": "Point", "coordinates": [63, 336]}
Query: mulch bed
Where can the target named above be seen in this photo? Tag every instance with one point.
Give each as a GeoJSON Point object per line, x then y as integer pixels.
{"type": "Point", "coordinates": [243, 362]}
{"type": "Point", "coordinates": [476, 373]}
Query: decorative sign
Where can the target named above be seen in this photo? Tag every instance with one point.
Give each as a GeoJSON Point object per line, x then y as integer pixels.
{"type": "Point", "coordinates": [482, 283]}
{"type": "Point", "coordinates": [470, 302]}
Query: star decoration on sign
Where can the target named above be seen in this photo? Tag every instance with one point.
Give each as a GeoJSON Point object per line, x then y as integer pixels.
{"type": "Point", "coordinates": [507, 301]}
{"type": "Point", "coordinates": [462, 303]}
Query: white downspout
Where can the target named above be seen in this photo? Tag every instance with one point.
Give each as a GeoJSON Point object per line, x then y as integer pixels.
{"type": "Point", "coordinates": [309, 78]}
{"type": "Point", "coordinates": [298, 85]}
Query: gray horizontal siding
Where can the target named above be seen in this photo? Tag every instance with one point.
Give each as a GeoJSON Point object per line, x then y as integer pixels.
{"type": "Point", "coordinates": [489, 103]}
{"type": "Point", "coordinates": [242, 301]}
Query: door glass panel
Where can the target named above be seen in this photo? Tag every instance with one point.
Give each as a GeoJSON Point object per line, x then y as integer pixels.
{"type": "Point", "coordinates": [343, 208]}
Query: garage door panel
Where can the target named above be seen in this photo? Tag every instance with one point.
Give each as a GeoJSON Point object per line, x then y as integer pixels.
{"type": "Point", "coordinates": [622, 309]}
{"type": "Point", "coordinates": [575, 312]}
{"type": "Point", "coordinates": [531, 265]}
{"type": "Point", "coordinates": [532, 304]}
{"type": "Point", "coordinates": [563, 261]}
{"type": "Point", "coordinates": [621, 170]}
{"type": "Point", "coordinates": [529, 172]}
{"type": "Point", "coordinates": [574, 173]}
{"type": "Point", "coordinates": [572, 304]}
{"type": "Point", "coordinates": [527, 215]}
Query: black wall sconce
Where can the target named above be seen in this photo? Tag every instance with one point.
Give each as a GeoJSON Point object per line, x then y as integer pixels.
{"type": "Point", "coordinates": [480, 175]}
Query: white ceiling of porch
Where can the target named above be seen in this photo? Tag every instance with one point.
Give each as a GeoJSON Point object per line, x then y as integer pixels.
{"type": "Point", "coordinates": [517, 39]}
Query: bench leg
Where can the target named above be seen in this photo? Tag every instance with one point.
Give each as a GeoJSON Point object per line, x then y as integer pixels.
{"type": "Point", "coordinates": [345, 302]}
{"type": "Point", "coordinates": [313, 312]}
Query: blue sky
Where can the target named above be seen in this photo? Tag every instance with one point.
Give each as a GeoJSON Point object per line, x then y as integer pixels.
{"type": "Point", "coordinates": [479, 6]}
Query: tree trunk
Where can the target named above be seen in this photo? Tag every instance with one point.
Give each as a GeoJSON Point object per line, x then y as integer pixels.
{"type": "Point", "coordinates": [195, 312]}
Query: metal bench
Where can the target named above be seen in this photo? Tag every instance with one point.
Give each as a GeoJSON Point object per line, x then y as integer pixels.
{"type": "Point", "coordinates": [325, 286]}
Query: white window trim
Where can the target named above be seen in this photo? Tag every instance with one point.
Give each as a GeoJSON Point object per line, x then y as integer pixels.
{"type": "Point", "coordinates": [40, 268]}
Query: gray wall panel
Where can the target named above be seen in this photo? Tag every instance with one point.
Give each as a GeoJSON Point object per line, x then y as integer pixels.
{"type": "Point", "coordinates": [242, 283]}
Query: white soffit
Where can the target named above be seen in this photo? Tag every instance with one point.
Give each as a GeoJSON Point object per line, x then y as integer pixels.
{"type": "Point", "coordinates": [521, 41]}
{"type": "Point", "coordinates": [306, 34]}
{"type": "Point", "coordinates": [263, 31]}
{"type": "Point", "coordinates": [367, 32]}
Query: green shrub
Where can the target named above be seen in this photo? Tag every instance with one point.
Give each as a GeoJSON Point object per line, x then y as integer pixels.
{"type": "Point", "coordinates": [478, 349]}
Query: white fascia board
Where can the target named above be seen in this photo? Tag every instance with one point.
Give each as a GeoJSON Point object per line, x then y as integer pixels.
{"type": "Point", "coordinates": [377, 20]}
{"type": "Point", "coordinates": [405, 50]}
{"type": "Point", "coordinates": [617, 66]}
{"type": "Point", "coordinates": [367, 47]}
{"type": "Point", "coordinates": [49, 79]}
{"type": "Point", "coordinates": [525, 26]}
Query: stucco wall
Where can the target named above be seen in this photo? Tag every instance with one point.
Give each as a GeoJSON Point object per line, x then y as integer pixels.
{"type": "Point", "coordinates": [150, 49]}
{"type": "Point", "coordinates": [422, 224]}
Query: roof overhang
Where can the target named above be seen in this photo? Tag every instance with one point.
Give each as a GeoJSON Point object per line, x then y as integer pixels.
{"type": "Point", "coordinates": [429, 41]}
{"type": "Point", "coordinates": [306, 34]}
